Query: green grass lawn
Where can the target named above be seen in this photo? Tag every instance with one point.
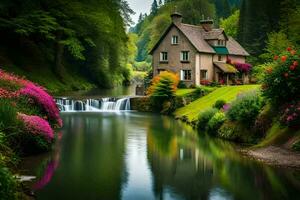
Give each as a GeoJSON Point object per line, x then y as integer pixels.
{"type": "Point", "coordinates": [183, 92]}
{"type": "Point", "coordinates": [227, 93]}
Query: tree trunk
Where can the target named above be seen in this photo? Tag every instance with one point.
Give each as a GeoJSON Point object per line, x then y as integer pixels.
{"type": "Point", "coordinates": [59, 69]}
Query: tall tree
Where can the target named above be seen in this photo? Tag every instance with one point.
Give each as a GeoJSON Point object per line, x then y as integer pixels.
{"type": "Point", "coordinates": [154, 7]}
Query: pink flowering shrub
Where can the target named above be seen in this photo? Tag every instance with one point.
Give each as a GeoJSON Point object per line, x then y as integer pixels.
{"type": "Point", "coordinates": [36, 126]}
{"type": "Point", "coordinates": [36, 94]}
{"type": "Point", "coordinates": [243, 67]}
{"type": "Point", "coordinates": [8, 94]}
{"type": "Point", "coordinates": [291, 115]}
{"type": "Point", "coordinates": [43, 99]}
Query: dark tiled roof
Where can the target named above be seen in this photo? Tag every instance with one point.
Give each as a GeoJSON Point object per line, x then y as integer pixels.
{"type": "Point", "coordinates": [198, 38]}
{"type": "Point", "coordinates": [235, 48]}
{"type": "Point", "coordinates": [213, 34]}
{"type": "Point", "coordinates": [195, 35]}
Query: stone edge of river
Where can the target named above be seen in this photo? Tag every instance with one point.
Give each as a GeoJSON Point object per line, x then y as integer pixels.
{"type": "Point", "coordinates": [274, 155]}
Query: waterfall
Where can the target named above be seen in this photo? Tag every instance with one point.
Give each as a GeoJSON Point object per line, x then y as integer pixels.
{"type": "Point", "coordinates": [95, 105]}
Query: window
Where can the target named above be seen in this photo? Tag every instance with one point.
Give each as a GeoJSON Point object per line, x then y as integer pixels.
{"type": "Point", "coordinates": [184, 56]}
{"type": "Point", "coordinates": [203, 74]}
{"type": "Point", "coordinates": [174, 39]}
{"type": "Point", "coordinates": [186, 75]}
{"type": "Point", "coordinates": [164, 56]}
{"type": "Point", "coordinates": [221, 43]}
{"type": "Point", "coordinates": [219, 58]}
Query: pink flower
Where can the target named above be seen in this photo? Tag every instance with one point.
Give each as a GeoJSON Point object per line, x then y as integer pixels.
{"type": "Point", "coordinates": [42, 98]}
{"type": "Point", "coordinates": [37, 126]}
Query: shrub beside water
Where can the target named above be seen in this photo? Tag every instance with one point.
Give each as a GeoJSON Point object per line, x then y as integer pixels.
{"type": "Point", "coordinates": [162, 92]}
{"type": "Point", "coordinates": [215, 123]}
{"type": "Point", "coordinates": [204, 118]}
{"type": "Point", "coordinates": [245, 108]}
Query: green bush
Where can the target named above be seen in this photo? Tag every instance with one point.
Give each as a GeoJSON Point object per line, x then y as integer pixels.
{"type": "Point", "coordinates": [215, 123]}
{"type": "Point", "coordinates": [204, 118]}
{"type": "Point", "coordinates": [8, 185]}
{"type": "Point", "coordinates": [181, 85]}
{"type": "Point", "coordinates": [245, 108]}
{"type": "Point", "coordinates": [219, 104]}
{"type": "Point", "coordinates": [296, 146]}
{"type": "Point", "coordinates": [8, 114]}
{"type": "Point", "coordinates": [228, 131]}
{"type": "Point", "coordinates": [281, 80]}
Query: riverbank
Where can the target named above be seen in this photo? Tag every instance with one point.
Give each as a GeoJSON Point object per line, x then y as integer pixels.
{"type": "Point", "coordinates": [274, 155]}
{"type": "Point", "coordinates": [270, 142]}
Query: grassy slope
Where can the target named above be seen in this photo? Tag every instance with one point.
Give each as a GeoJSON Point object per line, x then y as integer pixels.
{"type": "Point", "coordinates": [183, 92]}
{"type": "Point", "coordinates": [227, 93]}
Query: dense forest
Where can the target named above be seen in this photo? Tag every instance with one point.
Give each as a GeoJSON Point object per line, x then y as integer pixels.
{"type": "Point", "coordinates": [66, 44]}
{"type": "Point", "coordinates": [257, 25]}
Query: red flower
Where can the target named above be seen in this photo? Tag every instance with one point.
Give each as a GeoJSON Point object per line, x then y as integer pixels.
{"type": "Point", "coordinates": [283, 58]}
{"type": "Point", "coordinates": [276, 57]}
{"type": "Point", "coordinates": [269, 70]}
{"type": "Point", "coordinates": [292, 67]}
{"type": "Point", "coordinates": [289, 49]}
{"type": "Point", "coordinates": [286, 75]}
{"type": "Point", "coordinates": [293, 52]}
{"type": "Point", "coordinates": [295, 63]}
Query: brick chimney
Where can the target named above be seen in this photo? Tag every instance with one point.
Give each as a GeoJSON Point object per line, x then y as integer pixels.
{"type": "Point", "coordinates": [207, 24]}
{"type": "Point", "coordinates": [176, 18]}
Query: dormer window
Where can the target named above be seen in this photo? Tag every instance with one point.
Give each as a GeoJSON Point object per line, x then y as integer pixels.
{"type": "Point", "coordinates": [221, 42]}
{"type": "Point", "coordinates": [185, 56]}
{"type": "Point", "coordinates": [164, 57]}
{"type": "Point", "coordinates": [174, 40]}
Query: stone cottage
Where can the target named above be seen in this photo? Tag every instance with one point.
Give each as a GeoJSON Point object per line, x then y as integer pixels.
{"type": "Point", "coordinates": [199, 54]}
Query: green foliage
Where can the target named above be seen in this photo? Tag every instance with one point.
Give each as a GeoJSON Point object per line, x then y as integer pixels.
{"type": "Point", "coordinates": [275, 45]}
{"type": "Point", "coordinates": [245, 108]}
{"type": "Point", "coordinates": [182, 85]}
{"type": "Point", "coordinates": [8, 184]}
{"type": "Point", "coordinates": [204, 117]}
{"type": "Point", "coordinates": [230, 24]}
{"type": "Point", "coordinates": [296, 146]}
{"type": "Point", "coordinates": [281, 80]}
{"type": "Point", "coordinates": [87, 38]}
{"type": "Point", "coordinates": [259, 70]}
{"type": "Point", "coordinates": [219, 104]}
{"type": "Point", "coordinates": [163, 89]}
{"type": "Point", "coordinates": [215, 123]}
{"type": "Point", "coordinates": [228, 93]}
{"type": "Point", "coordinates": [8, 114]}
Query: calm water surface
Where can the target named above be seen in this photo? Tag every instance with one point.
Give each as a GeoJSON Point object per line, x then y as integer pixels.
{"type": "Point", "coordinates": [144, 156]}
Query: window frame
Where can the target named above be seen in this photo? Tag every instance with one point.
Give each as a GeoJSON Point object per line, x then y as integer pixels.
{"type": "Point", "coordinates": [163, 56]}
{"type": "Point", "coordinates": [220, 57]}
{"type": "Point", "coordinates": [206, 74]}
{"type": "Point", "coordinates": [175, 41]}
{"type": "Point", "coordinates": [186, 75]}
{"type": "Point", "coordinates": [185, 56]}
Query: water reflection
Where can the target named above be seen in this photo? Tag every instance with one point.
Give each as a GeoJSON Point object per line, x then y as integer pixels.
{"type": "Point", "coordinates": [141, 156]}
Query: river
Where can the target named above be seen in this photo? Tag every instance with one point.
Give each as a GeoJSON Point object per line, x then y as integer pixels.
{"type": "Point", "coordinates": [131, 155]}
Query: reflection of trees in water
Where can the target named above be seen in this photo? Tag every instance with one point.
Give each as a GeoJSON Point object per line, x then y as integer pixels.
{"type": "Point", "coordinates": [92, 159]}
{"type": "Point", "coordinates": [198, 169]}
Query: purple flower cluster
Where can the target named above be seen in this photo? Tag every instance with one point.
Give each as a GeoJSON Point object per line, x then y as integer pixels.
{"type": "Point", "coordinates": [291, 115]}
{"type": "Point", "coordinates": [36, 125]}
{"type": "Point", "coordinates": [43, 99]}
{"type": "Point", "coordinates": [243, 67]}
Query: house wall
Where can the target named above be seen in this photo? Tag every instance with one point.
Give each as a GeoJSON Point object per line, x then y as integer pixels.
{"type": "Point", "coordinates": [240, 59]}
{"type": "Point", "coordinates": [206, 63]}
{"type": "Point", "coordinates": [174, 64]}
